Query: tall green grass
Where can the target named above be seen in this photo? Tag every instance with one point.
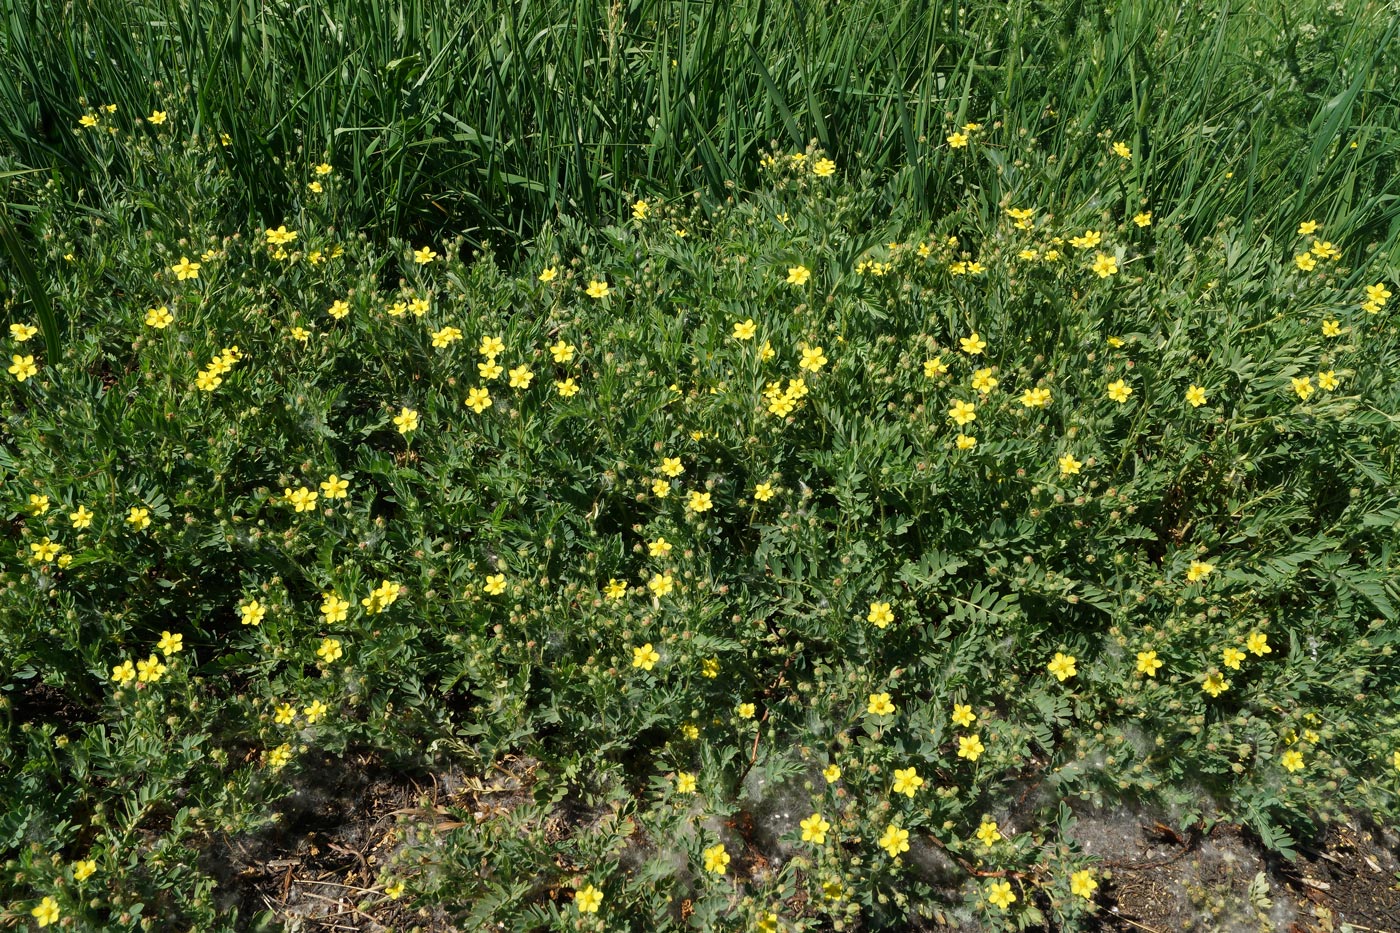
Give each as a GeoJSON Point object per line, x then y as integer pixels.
{"type": "Point", "coordinates": [494, 118]}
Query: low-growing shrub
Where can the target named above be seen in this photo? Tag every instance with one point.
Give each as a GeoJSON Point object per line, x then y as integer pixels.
{"type": "Point", "coordinates": [815, 559]}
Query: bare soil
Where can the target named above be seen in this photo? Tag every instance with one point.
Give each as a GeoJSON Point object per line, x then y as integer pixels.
{"type": "Point", "coordinates": [322, 865]}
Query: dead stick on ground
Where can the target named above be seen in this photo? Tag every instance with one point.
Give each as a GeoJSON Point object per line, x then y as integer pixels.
{"type": "Point", "coordinates": [1140, 926]}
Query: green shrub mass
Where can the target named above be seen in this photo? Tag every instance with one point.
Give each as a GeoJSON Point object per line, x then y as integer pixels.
{"type": "Point", "coordinates": [815, 534]}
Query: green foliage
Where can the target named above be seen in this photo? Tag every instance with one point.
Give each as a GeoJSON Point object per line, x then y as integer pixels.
{"type": "Point", "coordinates": [640, 596]}
{"type": "Point", "coordinates": [492, 537]}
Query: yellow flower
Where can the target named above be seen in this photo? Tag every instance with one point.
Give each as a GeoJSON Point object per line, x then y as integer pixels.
{"type": "Point", "coordinates": [973, 345]}
{"type": "Point", "coordinates": [661, 584]}
{"type": "Point", "coordinates": [1307, 227]}
{"type": "Point", "coordinates": [615, 589]}
{"type": "Point", "coordinates": [445, 337]}
{"type": "Point", "coordinates": [798, 275]}
{"type": "Point", "coordinates": [548, 274]}
{"type": "Point", "coordinates": [150, 670]}
{"type": "Point", "coordinates": [1323, 249]}
{"type": "Point", "coordinates": [1105, 265]}
{"type": "Point", "coordinates": [999, 894]}
{"type": "Point", "coordinates": [278, 757]}
{"type": "Point", "coordinates": [1331, 328]}
{"type": "Point", "coordinates": [81, 518]}
{"type": "Point", "coordinates": [330, 650]}
{"type": "Point", "coordinates": [1147, 663]}
{"type": "Point", "coordinates": [23, 367]}
{"type": "Point", "coordinates": [562, 351]}
{"type": "Point", "coordinates": [1303, 386]}
{"type": "Point", "coordinates": [124, 673]}
{"type": "Point", "coordinates": [597, 289]}
{"type": "Point", "coordinates": [323, 169]}
{"type": "Point", "coordinates": [1215, 684]}
{"type": "Point", "coordinates": [880, 615]}
{"type": "Point", "coordinates": [1082, 883]}
{"type": "Point", "coordinates": [763, 492]}
{"type": "Point", "coordinates": [745, 330]}
{"type": "Point", "coordinates": [184, 269]}
{"type": "Point", "coordinates": [38, 504]}
{"type": "Point", "coordinates": [965, 442]}
{"type": "Point", "coordinates": [698, 501]}
{"type": "Point", "coordinates": [640, 210]}
{"type": "Point", "coordinates": [988, 833]}
{"type": "Point", "coordinates": [645, 657]}
{"type": "Point", "coordinates": [588, 899]}
{"type": "Point", "coordinates": [22, 332]}
{"type": "Point", "coordinates": [672, 467]}
{"type": "Point", "coordinates": [660, 488]}
{"type": "Point", "coordinates": [814, 829]}
{"type": "Point", "coordinates": [46, 913]}
{"type": "Point", "coordinates": [970, 747]}
{"type": "Point", "coordinates": [1305, 262]}
{"type": "Point", "coordinates": [45, 550]}
{"type": "Point", "coordinates": [566, 388]}
{"type": "Point", "coordinates": [1062, 666]}
{"type": "Point", "coordinates": [520, 377]}
{"type": "Point", "coordinates": [745, 710]}
{"type": "Point", "coordinates": [824, 168]}
{"type": "Point", "coordinates": [716, 859]}
{"type": "Point", "coordinates": [962, 412]}
{"type": "Point", "coordinates": [1119, 391]}
{"type": "Point", "coordinates": [478, 400]}
{"type": "Point", "coordinates": [424, 255]}
{"type": "Point", "coordinates": [1198, 570]}
{"type": "Point", "coordinates": [491, 347]}
{"type": "Point", "coordinates": [1258, 643]}
{"type": "Point", "coordinates": [335, 487]}
{"type": "Point", "coordinates": [832, 773]}
{"type": "Point", "coordinates": [1195, 396]}
{"type": "Point", "coordinates": [1144, 219]}
{"type": "Point", "coordinates": [1232, 658]}
{"type": "Point", "coordinates": [907, 781]}
{"type": "Point", "coordinates": [406, 420]}
{"type": "Point", "coordinates": [495, 584]}
{"type": "Point", "coordinates": [935, 367]}
{"type": "Point", "coordinates": [82, 871]}
{"type": "Point", "coordinates": [709, 668]}
{"type": "Point", "coordinates": [957, 140]}
{"type": "Point", "coordinates": [315, 187]}
{"type": "Point", "coordinates": [1122, 150]}
{"type": "Point", "coordinates": [158, 117]}
{"type": "Point", "coordinates": [1035, 398]}
{"type": "Point", "coordinates": [170, 643]}
{"type": "Point", "coordinates": [1327, 380]}
{"type": "Point", "coordinates": [1292, 760]}
{"type": "Point", "coordinates": [685, 782]}
{"type": "Point", "coordinates": [252, 612]}
{"type": "Point", "coordinates": [139, 518]}
{"type": "Point", "coordinates": [880, 705]}
{"type": "Point", "coordinates": [285, 714]}
{"type": "Point", "coordinates": [659, 548]}
{"type": "Point", "coordinates": [303, 499]}
{"type": "Point", "coordinates": [983, 380]}
{"type": "Point", "coordinates": [895, 840]}
{"type": "Point", "coordinates": [88, 120]}
{"type": "Point", "coordinates": [1377, 294]}
{"type": "Point", "coordinates": [963, 715]}
{"type": "Point", "coordinates": [338, 309]}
